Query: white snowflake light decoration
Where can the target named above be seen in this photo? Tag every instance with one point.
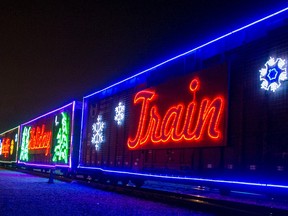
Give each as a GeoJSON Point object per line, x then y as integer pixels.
{"type": "Point", "coordinates": [97, 132]}
{"type": "Point", "coordinates": [273, 73]}
{"type": "Point", "coordinates": [119, 113]}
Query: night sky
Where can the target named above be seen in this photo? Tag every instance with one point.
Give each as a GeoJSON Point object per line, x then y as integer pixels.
{"type": "Point", "coordinates": [53, 52]}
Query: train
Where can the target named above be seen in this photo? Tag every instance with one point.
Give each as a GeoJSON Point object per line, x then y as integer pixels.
{"type": "Point", "coordinates": [214, 116]}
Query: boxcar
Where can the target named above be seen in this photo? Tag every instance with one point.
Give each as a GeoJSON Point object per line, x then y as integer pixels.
{"type": "Point", "coordinates": [215, 115]}
{"type": "Point", "coordinates": [51, 141]}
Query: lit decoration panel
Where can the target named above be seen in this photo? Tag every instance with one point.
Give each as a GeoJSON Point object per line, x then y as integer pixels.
{"type": "Point", "coordinates": [61, 149]}
{"type": "Point", "coordinates": [180, 123]}
{"type": "Point", "coordinates": [24, 144]}
{"type": "Point", "coordinates": [9, 145]}
{"type": "Point", "coordinates": [273, 74]}
{"type": "Point", "coordinates": [191, 113]}
{"type": "Point", "coordinates": [187, 111]}
{"type": "Point", "coordinates": [46, 140]}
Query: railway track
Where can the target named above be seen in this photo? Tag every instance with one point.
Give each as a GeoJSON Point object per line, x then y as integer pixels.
{"type": "Point", "coordinates": [183, 198]}
{"type": "Point", "coordinates": [196, 202]}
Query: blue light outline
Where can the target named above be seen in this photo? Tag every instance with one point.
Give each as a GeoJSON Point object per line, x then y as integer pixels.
{"type": "Point", "coordinates": [188, 178]}
{"type": "Point", "coordinates": [190, 51]}
{"type": "Point", "coordinates": [46, 114]}
{"type": "Point", "coordinates": [72, 127]}
{"type": "Point", "coordinates": [43, 165]}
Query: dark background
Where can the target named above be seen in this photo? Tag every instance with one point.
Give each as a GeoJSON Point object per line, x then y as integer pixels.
{"type": "Point", "coordinates": [53, 52]}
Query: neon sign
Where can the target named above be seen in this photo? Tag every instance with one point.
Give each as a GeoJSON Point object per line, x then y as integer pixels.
{"type": "Point", "coordinates": [273, 73]}
{"type": "Point", "coordinates": [45, 141]}
{"type": "Point", "coordinates": [179, 123]}
{"type": "Point", "coordinates": [40, 139]}
{"type": "Point", "coordinates": [6, 147]}
{"type": "Point", "coordinates": [62, 146]}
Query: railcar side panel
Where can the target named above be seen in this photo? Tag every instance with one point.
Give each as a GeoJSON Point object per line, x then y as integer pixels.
{"type": "Point", "coordinates": [216, 112]}
{"type": "Point", "coordinates": [50, 140]}
{"type": "Point", "coordinates": [9, 145]}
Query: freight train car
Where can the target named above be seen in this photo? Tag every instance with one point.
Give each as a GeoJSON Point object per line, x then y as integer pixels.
{"type": "Point", "coordinates": [51, 141]}
{"type": "Point", "coordinates": [215, 115]}
{"type": "Point", "coordinates": [9, 146]}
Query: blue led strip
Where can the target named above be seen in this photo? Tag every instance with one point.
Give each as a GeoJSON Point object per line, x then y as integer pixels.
{"type": "Point", "coordinates": [189, 178]}
{"type": "Point", "coordinates": [192, 50]}
{"type": "Point", "coordinates": [44, 165]}
{"type": "Point", "coordinates": [72, 134]}
{"type": "Point", "coordinates": [53, 111]}
{"type": "Point", "coordinates": [73, 104]}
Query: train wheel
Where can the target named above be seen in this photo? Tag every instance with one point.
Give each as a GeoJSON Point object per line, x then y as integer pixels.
{"type": "Point", "coordinates": [138, 182]}
{"type": "Point", "coordinates": [124, 182]}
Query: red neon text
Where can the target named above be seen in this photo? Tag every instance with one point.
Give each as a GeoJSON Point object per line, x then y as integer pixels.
{"type": "Point", "coordinates": [179, 122]}
{"type": "Point", "coordinates": [40, 139]}
{"type": "Point", "coordinates": [6, 147]}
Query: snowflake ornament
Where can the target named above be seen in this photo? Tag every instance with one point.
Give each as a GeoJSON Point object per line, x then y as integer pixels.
{"type": "Point", "coordinates": [97, 132]}
{"type": "Point", "coordinates": [273, 73]}
{"type": "Point", "coordinates": [119, 113]}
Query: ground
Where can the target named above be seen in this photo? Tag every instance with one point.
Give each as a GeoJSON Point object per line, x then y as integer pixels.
{"type": "Point", "coordinates": [23, 194]}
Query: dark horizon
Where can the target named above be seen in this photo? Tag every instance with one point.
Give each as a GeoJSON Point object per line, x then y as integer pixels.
{"type": "Point", "coordinates": [53, 53]}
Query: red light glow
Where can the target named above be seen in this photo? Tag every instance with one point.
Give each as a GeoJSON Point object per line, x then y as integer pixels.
{"type": "Point", "coordinates": [40, 139]}
{"type": "Point", "coordinates": [6, 147]}
{"type": "Point", "coordinates": [179, 123]}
